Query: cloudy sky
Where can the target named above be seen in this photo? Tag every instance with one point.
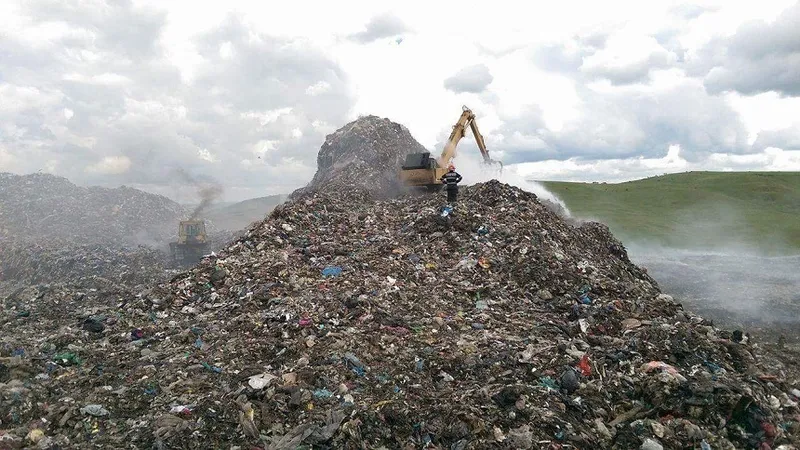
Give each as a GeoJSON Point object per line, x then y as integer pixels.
{"type": "Point", "coordinates": [117, 92]}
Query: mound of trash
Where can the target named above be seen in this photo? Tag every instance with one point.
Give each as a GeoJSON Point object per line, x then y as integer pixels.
{"type": "Point", "coordinates": [353, 317]}
{"type": "Point", "coordinates": [90, 265]}
{"type": "Point", "coordinates": [43, 205]}
{"type": "Point", "coordinates": [337, 323]}
{"type": "Point", "coordinates": [363, 156]}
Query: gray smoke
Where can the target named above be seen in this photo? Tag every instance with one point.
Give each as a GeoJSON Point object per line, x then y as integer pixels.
{"type": "Point", "coordinates": [208, 190]}
{"type": "Point", "coordinates": [735, 288]}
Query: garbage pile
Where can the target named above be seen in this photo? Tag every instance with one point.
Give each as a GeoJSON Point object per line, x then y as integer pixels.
{"type": "Point", "coordinates": [343, 324]}
{"type": "Point", "coordinates": [343, 321]}
{"type": "Point", "coordinates": [363, 156]}
{"type": "Point", "coordinates": [96, 265]}
{"type": "Point", "coordinates": [43, 205]}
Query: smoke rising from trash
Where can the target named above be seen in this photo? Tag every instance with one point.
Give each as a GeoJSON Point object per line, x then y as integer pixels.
{"type": "Point", "coordinates": [737, 288]}
{"type": "Point", "coordinates": [472, 168]}
{"type": "Point", "coordinates": [208, 191]}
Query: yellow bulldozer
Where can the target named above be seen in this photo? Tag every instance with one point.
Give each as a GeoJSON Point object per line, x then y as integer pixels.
{"type": "Point", "coordinates": [422, 170]}
{"type": "Point", "coordinates": [192, 242]}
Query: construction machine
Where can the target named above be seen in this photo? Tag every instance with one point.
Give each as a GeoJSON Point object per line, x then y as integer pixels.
{"type": "Point", "coordinates": [192, 242]}
{"type": "Point", "coordinates": [421, 170]}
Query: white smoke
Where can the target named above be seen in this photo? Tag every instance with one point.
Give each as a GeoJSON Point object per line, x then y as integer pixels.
{"type": "Point", "coordinates": [472, 168]}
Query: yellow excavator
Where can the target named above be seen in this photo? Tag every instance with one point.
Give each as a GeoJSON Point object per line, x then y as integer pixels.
{"type": "Point", "coordinates": [421, 170]}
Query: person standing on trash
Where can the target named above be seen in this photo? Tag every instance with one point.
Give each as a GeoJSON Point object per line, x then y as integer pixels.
{"type": "Point", "coordinates": [451, 180]}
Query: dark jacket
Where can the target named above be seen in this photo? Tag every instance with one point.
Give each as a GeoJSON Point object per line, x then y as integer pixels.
{"type": "Point", "coordinates": [451, 179]}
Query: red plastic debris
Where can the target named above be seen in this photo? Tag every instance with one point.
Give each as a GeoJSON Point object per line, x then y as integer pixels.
{"type": "Point", "coordinates": [584, 366]}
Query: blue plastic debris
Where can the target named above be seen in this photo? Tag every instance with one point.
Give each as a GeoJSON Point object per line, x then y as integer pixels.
{"type": "Point", "coordinates": [353, 359]}
{"type": "Point", "coordinates": [331, 271]}
{"type": "Point", "coordinates": [214, 369]}
{"type": "Point", "coordinates": [355, 364]}
{"type": "Point", "coordinates": [322, 393]}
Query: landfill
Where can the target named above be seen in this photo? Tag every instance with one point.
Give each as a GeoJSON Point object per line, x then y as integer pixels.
{"type": "Point", "coordinates": [44, 205]}
{"type": "Point", "coordinates": [360, 160]}
{"type": "Point", "coordinates": [351, 318]}
{"type": "Point", "coordinates": [85, 264]}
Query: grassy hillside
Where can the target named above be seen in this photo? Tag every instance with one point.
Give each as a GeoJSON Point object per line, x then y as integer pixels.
{"type": "Point", "coordinates": [710, 210]}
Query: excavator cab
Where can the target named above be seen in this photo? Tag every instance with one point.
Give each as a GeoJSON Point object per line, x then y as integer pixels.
{"type": "Point", "coordinates": [420, 169]}
{"type": "Point", "coordinates": [419, 161]}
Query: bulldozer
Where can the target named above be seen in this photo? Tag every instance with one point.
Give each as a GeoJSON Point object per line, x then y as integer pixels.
{"type": "Point", "coordinates": [424, 171]}
{"type": "Point", "coordinates": [192, 242]}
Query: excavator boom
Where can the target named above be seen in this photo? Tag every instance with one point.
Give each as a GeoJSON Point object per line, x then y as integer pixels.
{"type": "Point", "coordinates": [459, 130]}
{"type": "Point", "coordinates": [467, 119]}
{"type": "Point", "coordinates": [420, 169]}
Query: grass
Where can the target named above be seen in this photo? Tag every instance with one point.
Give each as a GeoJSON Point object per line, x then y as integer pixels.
{"type": "Point", "coordinates": [753, 211]}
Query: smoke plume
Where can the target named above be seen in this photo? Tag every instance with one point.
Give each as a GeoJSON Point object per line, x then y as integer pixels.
{"type": "Point", "coordinates": [208, 191]}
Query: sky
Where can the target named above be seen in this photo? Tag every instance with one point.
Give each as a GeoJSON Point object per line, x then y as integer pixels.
{"type": "Point", "coordinates": [242, 93]}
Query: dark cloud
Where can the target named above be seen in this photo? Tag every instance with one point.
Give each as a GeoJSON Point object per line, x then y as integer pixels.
{"type": "Point", "coordinates": [116, 26]}
{"type": "Point", "coordinates": [624, 124]}
{"type": "Point", "coordinates": [582, 57]}
{"type": "Point", "coordinates": [633, 72]}
{"type": "Point", "coordinates": [474, 79]}
{"type": "Point", "coordinates": [784, 138]}
{"type": "Point", "coordinates": [253, 115]}
{"type": "Point", "coordinates": [760, 57]}
{"type": "Point", "coordinates": [382, 26]}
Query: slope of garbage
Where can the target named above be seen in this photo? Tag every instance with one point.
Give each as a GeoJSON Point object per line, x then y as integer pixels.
{"type": "Point", "coordinates": [363, 157]}
{"type": "Point", "coordinates": [29, 262]}
{"type": "Point", "coordinates": [341, 321]}
{"type": "Point", "coordinates": [47, 206]}
{"type": "Point", "coordinates": [52, 231]}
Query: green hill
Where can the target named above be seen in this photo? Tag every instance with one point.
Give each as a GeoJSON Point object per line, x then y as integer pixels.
{"type": "Point", "coordinates": [756, 211]}
{"type": "Point", "coordinates": [237, 216]}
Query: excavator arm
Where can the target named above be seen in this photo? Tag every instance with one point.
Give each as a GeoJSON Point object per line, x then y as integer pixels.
{"type": "Point", "coordinates": [459, 131]}
{"type": "Point", "coordinates": [420, 169]}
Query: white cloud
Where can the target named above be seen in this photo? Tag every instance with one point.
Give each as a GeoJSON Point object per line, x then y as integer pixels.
{"type": "Point", "coordinates": [627, 58]}
{"type": "Point", "coordinates": [597, 89]}
{"type": "Point", "coordinates": [266, 117]}
{"type": "Point", "coordinates": [110, 165]}
{"type": "Point", "coordinates": [317, 88]}
{"type": "Point", "coordinates": [618, 170]}
{"type": "Point", "coordinates": [7, 160]}
{"type": "Point", "coordinates": [109, 79]}
{"type": "Point", "coordinates": [205, 155]}
{"type": "Point", "coordinates": [226, 50]}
